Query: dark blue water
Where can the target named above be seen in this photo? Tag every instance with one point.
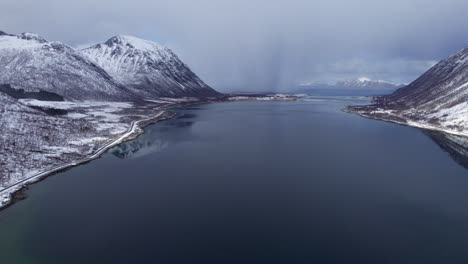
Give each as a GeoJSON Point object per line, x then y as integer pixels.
{"type": "Point", "coordinates": [251, 182]}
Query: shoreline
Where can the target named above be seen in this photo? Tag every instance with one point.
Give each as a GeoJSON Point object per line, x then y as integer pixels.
{"type": "Point", "coordinates": [408, 123]}
{"type": "Point", "coordinates": [9, 194]}
{"type": "Point", "coordinates": [13, 193]}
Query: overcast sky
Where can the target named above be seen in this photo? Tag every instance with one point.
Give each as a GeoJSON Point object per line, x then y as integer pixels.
{"type": "Point", "coordinates": [263, 44]}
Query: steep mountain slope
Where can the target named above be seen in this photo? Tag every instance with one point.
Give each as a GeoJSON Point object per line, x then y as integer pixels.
{"type": "Point", "coordinates": [438, 99]}
{"type": "Point", "coordinates": [443, 86]}
{"type": "Point", "coordinates": [30, 62]}
{"type": "Point", "coordinates": [147, 69]}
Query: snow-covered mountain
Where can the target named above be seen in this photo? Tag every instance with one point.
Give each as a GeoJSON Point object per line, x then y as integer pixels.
{"type": "Point", "coordinates": [147, 68]}
{"type": "Point", "coordinates": [366, 83]}
{"type": "Point", "coordinates": [362, 83]}
{"type": "Point", "coordinates": [438, 99]}
{"type": "Point", "coordinates": [31, 63]}
{"type": "Point", "coordinates": [443, 86]}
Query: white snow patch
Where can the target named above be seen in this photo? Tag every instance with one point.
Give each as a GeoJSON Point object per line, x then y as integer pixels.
{"type": "Point", "coordinates": [76, 115]}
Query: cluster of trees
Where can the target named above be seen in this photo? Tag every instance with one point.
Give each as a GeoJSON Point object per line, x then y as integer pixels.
{"type": "Point", "coordinates": [29, 137]}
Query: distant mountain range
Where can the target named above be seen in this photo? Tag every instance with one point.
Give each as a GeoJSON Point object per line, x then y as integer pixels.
{"type": "Point", "coordinates": [362, 83]}
{"type": "Point", "coordinates": [438, 99]}
{"type": "Point", "coordinates": [121, 69]}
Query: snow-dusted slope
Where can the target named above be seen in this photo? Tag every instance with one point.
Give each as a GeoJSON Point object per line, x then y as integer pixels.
{"type": "Point", "coordinates": [35, 140]}
{"type": "Point", "coordinates": [147, 68]}
{"type": "Point", "coordinates": [443, 86]}
{"type": "Point", "coordinates": [30, 62]}
{"type": "Point", "coordinates": [436, 100]}
{"type": "Point", "coordinates": [31, 140]}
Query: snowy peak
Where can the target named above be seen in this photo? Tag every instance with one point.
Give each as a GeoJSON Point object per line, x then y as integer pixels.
{"type": "Point", "coordinates": [147, 68]}
{"type": "Point", "coordinates": [367, 83]}
{"type": "Point", "coordinates": [133, 42]}
{"type": "Point", "coordinates": [21, 41]}
{"type": "Point", "coordinates": [25, 41]}
{"type": "Point", "coordinates": [364, 79]}
{"type": "Point", "coordinates": [32, 36]}
{"type": "Point", "coordinates": [24, 36]}
{"type": "Point", "coordinates": [32, 63]}
{"type": "Point", "coordinates": [131, 49]}
{"type": "Point", "coordinates": [122, 68]}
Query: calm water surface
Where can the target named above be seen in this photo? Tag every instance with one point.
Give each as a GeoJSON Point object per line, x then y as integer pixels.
{"type": "Point", "coordinates": [251, 182]}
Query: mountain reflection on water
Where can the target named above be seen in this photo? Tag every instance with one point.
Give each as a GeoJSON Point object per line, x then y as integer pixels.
{"type": "Point", "coordinates": [253, 182]}
{"type": "Point", "coordinates": [154, 140]}
{"type": "Point", "coordinates": [455, 146]}
{"type": "Point", "coordinates": [161, 137]}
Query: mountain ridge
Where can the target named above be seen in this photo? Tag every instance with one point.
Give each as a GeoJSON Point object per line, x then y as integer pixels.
{"type": "Point", "coordinates": [32, 63]}
{"type": "Point", "coordinates": [147, 68]}
{"type": "Point", "coordinates": [124, 68]}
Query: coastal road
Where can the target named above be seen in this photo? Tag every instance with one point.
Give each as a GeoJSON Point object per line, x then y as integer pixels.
{"type": "Point", "coordinates": [6, 192]}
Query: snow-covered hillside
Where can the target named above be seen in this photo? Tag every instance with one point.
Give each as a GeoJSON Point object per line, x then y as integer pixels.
{"type": "Point", "coordinates": [32, 140]}
{"type": "Point", "coordinates": [443, 86]}
{"type": "Point", "coordinates": [436, 100]}
{"type": "Point", "coordinates": [35, 140]}
{"type": "Point", "coordinates": [147, 68]}
{"type": "Point", "coordinates": [30, 62]}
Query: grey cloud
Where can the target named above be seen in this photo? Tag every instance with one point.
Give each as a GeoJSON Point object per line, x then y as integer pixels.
{"type": "Point", "coordinates": [264, 44]}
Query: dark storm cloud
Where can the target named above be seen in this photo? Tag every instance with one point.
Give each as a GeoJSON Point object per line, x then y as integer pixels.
{"type": "Point", "coordinates": [264, 44]}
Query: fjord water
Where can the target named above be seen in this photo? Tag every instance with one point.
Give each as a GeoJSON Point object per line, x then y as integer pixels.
{"type": "Point", "coordinates": [251, 182]}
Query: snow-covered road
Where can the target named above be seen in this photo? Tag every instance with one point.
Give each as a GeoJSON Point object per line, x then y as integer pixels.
{"type": "Point", "coordinates": [7, 192]}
